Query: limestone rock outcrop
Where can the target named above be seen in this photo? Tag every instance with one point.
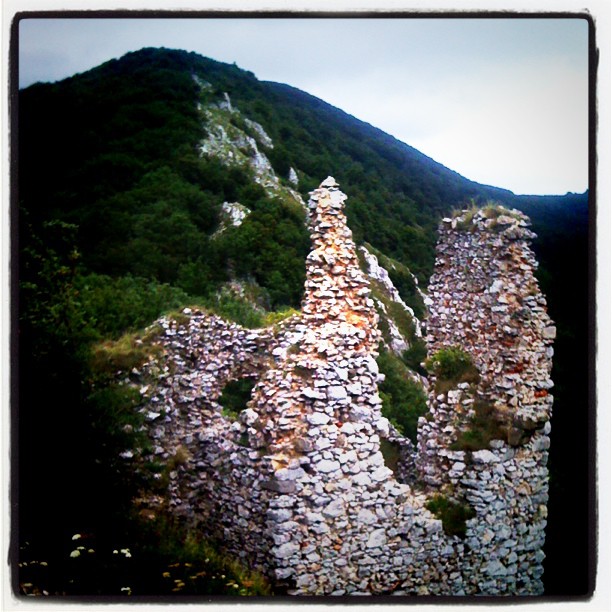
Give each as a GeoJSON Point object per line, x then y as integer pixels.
{"type": "Point", "coordinates": [244, 147]}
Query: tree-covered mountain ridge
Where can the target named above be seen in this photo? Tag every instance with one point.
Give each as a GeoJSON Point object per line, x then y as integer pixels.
{"type": "Point", "coordinates": [164, 179]}
{"type": "Point", "coordinates": [397, 195]}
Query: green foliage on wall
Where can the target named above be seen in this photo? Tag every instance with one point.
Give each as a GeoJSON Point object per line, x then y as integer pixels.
{"type": "Point", "coordinates": [415, 355]}
{"type": "Point", "coordinates": [451, 366]}
{"type": "Point", "coordinates": [403, 399]}
{"type": "Point", "coordinates": [452, 514]}
{"type": "Point", "coordinates": [482, 427]}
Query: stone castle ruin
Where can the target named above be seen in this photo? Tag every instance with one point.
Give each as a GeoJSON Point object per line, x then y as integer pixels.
{"type": "Point", "coordinates": [297, 485]}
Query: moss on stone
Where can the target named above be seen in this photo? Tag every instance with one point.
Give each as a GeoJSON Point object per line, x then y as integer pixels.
{"type": "Point", "coordinates": [483, 427]}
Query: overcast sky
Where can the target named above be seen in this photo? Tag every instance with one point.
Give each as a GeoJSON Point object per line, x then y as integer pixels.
{"type": "Point", "coordinates": [501, 101]}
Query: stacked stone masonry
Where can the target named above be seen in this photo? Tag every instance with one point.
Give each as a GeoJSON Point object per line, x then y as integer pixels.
{"type": "Point", "coordinates": [297, 485]}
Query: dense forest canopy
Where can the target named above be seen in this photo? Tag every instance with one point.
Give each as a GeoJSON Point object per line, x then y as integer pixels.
{"type": "Point", "coordinates": [118, 213]}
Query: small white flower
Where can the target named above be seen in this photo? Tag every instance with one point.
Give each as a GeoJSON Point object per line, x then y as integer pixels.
{"type": "Point", "coordinates": [76, 536]}
{"type": "Point", "coordinates": [115, 552]}
{"type": "Point", "coordinates": [127, 590]}
{"type": "Point", "coordinates": [75, 553]}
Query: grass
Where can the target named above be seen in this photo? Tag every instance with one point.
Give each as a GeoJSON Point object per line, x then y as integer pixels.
{"type": "Point", "coordinates": [465, 218]}
{"type": "Point", "coordinates": [383, 323]}
{"type": "Point", "coordinates": [193, 565]}
{"type": "Point", "coordinates": [403, 319]}
{"type": "Point", "coordinates": [130, 351]}
{"type": "Point", "coordinates": [157, 557]}
{"type": "Point", "coordinates": [394, 311]}
{"type": "Point", "coordinates": [275, 317]}
{"type": "Point", "coordinates": [400, 276]}
{"type": "Point", "coordinates": [490, 210]}
{"type": "Point", "coordinates": [181, 457]}
{"type": "Point", "coordinates": [179, 317]}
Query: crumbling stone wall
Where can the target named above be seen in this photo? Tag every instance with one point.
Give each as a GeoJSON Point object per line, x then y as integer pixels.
{"type": "Point", "coordinates": [215, 481]}
{"type": "Point", "coordinates": [298, 486]}
{"type": "Point", "coordinates": [485, 299]}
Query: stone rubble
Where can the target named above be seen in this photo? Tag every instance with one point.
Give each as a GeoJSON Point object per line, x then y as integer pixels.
{"type": "Point", "coordinates": [297, 485]}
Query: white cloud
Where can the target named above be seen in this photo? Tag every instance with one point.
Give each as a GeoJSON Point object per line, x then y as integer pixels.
{"type": "Point", "coordinates": [526, 132]}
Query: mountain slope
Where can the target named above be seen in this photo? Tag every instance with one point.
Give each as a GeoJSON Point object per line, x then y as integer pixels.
{"type": "Point", "coordinates": [164, 178]}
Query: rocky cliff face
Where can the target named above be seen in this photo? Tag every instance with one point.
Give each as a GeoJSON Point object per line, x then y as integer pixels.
{"type": "Point", "coordinates": [239, 141]}
{"type": "Point", "coordinates": [297, 485]}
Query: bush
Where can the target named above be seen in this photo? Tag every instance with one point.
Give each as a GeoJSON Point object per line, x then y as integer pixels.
{"type": "Point", "coordinates": [403, 399]}
{"type": "Point", "coordinates": [452, 366]}
{"type": "Point", "coordinates": [391, 454]}
{"type": "Point", "coordinates": [415, 355]}
{"type": "Point", "coordinates": [115, 305]}
{"type": "Point", "coordinates": [234, 308]}
{"type": "Point", "coordinates": [452, 514]}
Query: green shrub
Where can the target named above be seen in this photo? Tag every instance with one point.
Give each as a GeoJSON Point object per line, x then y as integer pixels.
{"type": "Point", "coordinates": [403, 400]}
{"type": "Point", "coordinates": [234, 308]}
{"type": "Point", "coordinates": [452, 366]}
{"type": "Point", "coordinates": [452, 514]}
{"type": "Point", "coordinates": [116, 305]}
{"type": "Point", "coordinates": [415, 355]}
{"type": "Point", "coordinates": [391, 454]}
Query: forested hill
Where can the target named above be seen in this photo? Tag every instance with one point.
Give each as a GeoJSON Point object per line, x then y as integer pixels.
{"type": "Point", "coordinates": [163, 179]}
{"type": "Point", "coordinates": [97, 136]}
